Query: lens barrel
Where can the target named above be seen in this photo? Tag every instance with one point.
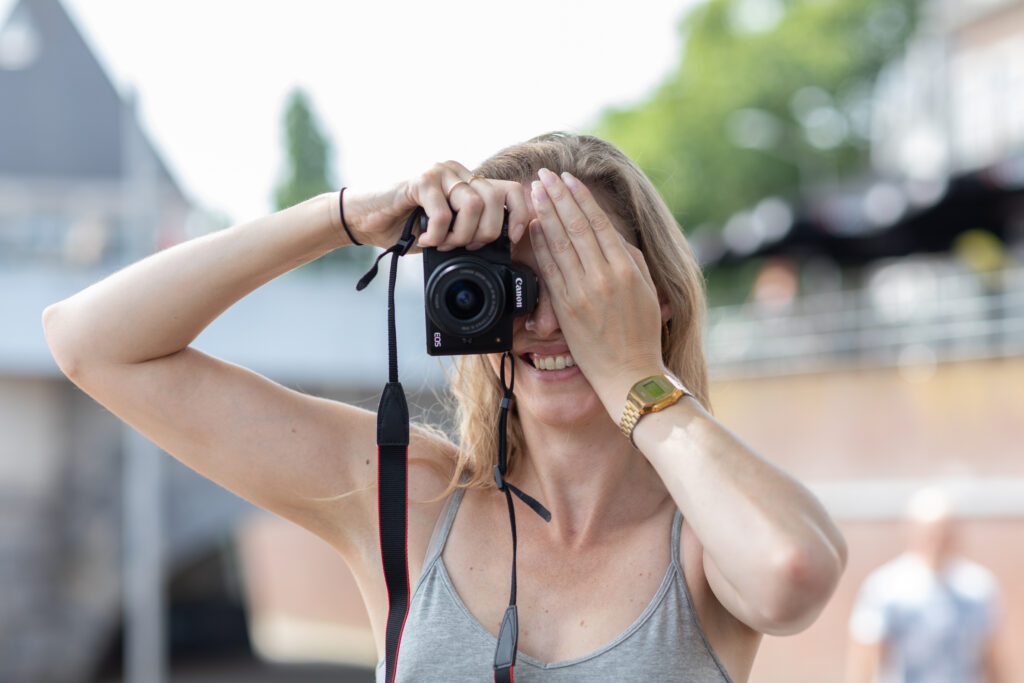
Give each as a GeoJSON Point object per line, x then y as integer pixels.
{"type": "Point", "coordinates": [465, 297]}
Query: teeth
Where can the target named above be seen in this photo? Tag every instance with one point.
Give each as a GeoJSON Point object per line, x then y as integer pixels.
{"type": "Point", "coordinates": [553, 362]}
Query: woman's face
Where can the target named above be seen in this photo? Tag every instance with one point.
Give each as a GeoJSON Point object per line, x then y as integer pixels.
{"type": "Point", "coordinates": [549, 387]}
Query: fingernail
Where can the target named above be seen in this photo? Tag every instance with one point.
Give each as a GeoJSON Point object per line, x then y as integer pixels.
{"type": "Point", "coordinates": [473, 246]}
{"type": "Point", "coordinates": [516, 233]}
{"type": "Point", "coordinates": [445, 247]}
{"type": "Point", "coordinates": [570, 181]}
{"type": "Point", "coordinates": [547, 177]}
{"type": "Point", "coordinates": [538, 191]}
{"type": "Point", "coordinates": [422, 240]}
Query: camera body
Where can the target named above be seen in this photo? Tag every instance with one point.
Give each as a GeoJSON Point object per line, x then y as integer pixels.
{"type": "Point", "coordinates": [472, 297]}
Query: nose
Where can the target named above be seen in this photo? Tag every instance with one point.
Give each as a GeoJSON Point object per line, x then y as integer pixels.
{"type": "Point", "coordinates": [542, 322]}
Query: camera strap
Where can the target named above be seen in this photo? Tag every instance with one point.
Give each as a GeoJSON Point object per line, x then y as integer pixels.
{"type": "Point", "coordinates": [392, 484]}
{"type": "Point", "coordinates": [392, 466]}
{"type": "Point", "coordinates": [508, 635]}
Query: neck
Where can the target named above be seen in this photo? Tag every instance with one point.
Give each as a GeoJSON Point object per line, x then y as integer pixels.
{"type": "Point", "coordinates": [589, 477]}
{"type": "Point", "coordinates": [936, 561]}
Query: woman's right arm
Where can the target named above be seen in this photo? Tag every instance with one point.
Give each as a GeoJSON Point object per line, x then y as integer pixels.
{"type": "Point", "coordinates": [125, 342]}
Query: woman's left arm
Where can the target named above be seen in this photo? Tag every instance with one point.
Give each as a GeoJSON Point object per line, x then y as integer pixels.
{"type": "Point", "coordinates": [772, 555]}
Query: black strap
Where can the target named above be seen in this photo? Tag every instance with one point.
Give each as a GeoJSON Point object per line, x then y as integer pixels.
{"type": "Point", "coordinates": [392, 464]}
{"type": "Point", "coordinates": [508, 635]}
{"type": "Point", "coordinates": [392, 487]}
{"type": "Point", "coordinates": [392, 467]}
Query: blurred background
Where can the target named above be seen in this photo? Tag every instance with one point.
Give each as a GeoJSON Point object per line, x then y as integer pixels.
{"type": "Point", "coordinates": [850, 173]}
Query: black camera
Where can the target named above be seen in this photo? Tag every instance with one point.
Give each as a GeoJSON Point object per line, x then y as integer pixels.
{"type": "Point", "coordinates": [471, 297]}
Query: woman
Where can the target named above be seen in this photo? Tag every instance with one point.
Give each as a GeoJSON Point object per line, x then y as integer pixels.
{"type": "Point", "coordinates": [669, 553]}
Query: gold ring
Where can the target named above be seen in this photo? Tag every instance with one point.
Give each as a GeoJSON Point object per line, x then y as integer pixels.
{"type": "Point", "coordinates": [456, 184]}
{"type": "Point", "coordinates": [472, 178]}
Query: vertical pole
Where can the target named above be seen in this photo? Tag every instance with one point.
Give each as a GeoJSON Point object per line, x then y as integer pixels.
{"type": "Point", "coordinates": [144, 602]}
{"type": "Point", "coordinates": [145, 641]}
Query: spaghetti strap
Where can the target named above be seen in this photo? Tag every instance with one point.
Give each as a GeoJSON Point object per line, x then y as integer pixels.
{"type": "Point", "coordinates": [677, 525]}
{"type": "Point", "coordinates": [441, 530]}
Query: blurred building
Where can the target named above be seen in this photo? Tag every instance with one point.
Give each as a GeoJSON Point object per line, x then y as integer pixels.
{"type": "Point", "coordinates": [102, 539]}
{"type": "Point", "coordinates": [881, 347]}
{"type": "Point", "coordinates": [955, 103]}
{"type": "Point", "coordinates": [77, 180]}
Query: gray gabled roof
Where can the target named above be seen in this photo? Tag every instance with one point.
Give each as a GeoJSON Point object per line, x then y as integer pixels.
{"type": "Point", "coordinates": [60, 114]}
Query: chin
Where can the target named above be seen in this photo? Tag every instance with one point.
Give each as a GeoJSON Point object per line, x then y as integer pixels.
{"type": "Point", "coordinates": [554, 404]}
{"type": "Point", "coordinates": [554, 397]}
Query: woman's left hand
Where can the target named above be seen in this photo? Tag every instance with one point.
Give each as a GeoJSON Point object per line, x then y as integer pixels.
{"type": "Point", "coordinates": [600, 288]}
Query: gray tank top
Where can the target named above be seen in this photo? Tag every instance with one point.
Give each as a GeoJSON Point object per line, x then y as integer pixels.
{"type": "Point", "coordinates": [442, 641]}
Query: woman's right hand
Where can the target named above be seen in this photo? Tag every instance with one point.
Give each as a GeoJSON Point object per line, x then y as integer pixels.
{"type": "Point", "coordinates": [446, 189]}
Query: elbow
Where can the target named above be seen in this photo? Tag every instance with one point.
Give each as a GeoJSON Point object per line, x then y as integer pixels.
{"type": "Point", "coordinates": [802, 580]}
{"type": "Point", "coordinates": [58, 338]}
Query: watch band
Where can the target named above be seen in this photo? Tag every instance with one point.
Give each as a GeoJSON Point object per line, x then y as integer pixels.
{"type": "Point", "coordinates": [629, 419]}
{"type": "Point", "coordinates": [650, 395]}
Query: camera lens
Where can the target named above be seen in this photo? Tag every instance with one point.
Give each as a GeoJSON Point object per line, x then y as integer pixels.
{"type": "Point", "coordinates": [464, 299]}
{"type": "Point", "coordinates": [465, 296]}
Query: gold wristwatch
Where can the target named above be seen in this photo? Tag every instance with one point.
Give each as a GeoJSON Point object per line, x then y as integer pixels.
{"type": "Point", "coordinates": [650, 395]}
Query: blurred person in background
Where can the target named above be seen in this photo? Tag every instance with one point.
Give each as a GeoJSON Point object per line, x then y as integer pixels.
{"type": "Point", "coordinates": [929, 615]}
{"type": "Point", "coordinates": [672, 546]}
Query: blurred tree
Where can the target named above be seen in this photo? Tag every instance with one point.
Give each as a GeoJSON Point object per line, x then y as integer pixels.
{"type": "Point", "coordinates": [768, 96]}
{"type": "Point", "coordinates": [307, 151]}
{"type": "Point", "coordinates": [308, 169]}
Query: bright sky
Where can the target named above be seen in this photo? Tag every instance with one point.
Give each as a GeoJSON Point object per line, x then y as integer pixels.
{"type": "Point", "coordinates": [397, 84]}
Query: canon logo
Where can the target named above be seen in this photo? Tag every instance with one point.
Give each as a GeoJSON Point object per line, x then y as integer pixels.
{"type": "Point", "coordinates": [519, 292]}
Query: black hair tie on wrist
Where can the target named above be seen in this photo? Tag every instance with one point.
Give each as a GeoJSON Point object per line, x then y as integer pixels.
{"type": "Point", "coordinates": [341, 210]}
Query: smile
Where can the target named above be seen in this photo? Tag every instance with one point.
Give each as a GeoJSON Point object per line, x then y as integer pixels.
{"type": "Point", "coordinates": [552, 362]}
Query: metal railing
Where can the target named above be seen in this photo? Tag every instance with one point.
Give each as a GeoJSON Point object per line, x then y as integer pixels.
{"type": "Point", "coordinates": [908, 314]}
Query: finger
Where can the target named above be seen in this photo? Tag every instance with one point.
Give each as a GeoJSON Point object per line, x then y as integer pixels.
{"type": "Point", "coordinates": [607, 237]}
{"type": "Point", "coordinates": [557, 242]}
{"type": "Point", "coordinates": [641, 263]}
{"type": "Point", "coordinates": [493, 215]}
{"type": "Point", "coordinates": [547, 268]}
{"type": "Point", "coordinates": [577, 224]}
{"type": "Point", "coordinates": [429, 191]}
{"type": "Point", "coordinates": [518, 211]}
{"type": "Point", "coordinates": [468, 207]}
{"type": "Point", "coordinates": [457, 170]}
{"type": "Point", "coordinates": [432, 192]}
{"type": "Point", "coordinates": [439, 215]}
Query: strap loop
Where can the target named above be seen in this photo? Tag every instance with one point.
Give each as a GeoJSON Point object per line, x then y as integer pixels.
{"type": "Point", "coordinates": [399, 248]}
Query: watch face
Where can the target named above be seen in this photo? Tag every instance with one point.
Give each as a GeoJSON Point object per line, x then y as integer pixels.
{"type": "Point", "coordinates": [654, 388]}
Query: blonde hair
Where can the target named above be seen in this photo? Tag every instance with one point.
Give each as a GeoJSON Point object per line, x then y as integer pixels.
{"type": "Point", "coordinates": [627, 192]}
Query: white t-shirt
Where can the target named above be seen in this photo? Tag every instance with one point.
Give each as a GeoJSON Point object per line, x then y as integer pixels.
{"type": "Point", "coordinates": [935, 626]}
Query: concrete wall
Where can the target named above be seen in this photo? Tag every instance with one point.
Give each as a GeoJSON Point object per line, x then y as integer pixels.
{"type": "Point", "coordinates": [865, 440]}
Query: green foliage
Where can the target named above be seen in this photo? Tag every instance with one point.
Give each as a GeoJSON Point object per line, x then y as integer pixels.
{"type": "Point", "coordinates": [806, 73]}
{"type": "Point", "coordinates": [308, 172]}
{"type": "Point", "coordinates": [307, 152]}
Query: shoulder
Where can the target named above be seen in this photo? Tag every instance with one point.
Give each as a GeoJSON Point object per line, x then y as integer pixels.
{"type": "Point", "coordinates": [892, 576]}
{"type": "Point", "coordinates": [973, 580]}
{"type": "Point", "coordinates": [432, 460]}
